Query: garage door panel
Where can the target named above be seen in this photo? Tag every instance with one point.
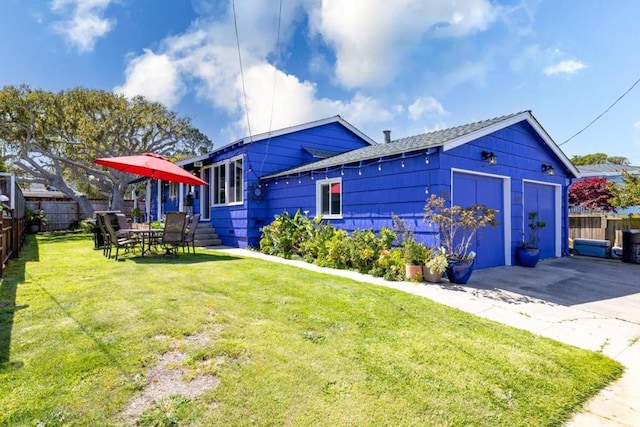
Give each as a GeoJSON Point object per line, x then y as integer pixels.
{"type": "Point", "coordinates": [541, 198]}
{"type": "Point", "coordinates": [469, 189]}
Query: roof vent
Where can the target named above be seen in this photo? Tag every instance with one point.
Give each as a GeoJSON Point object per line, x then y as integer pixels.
{"type": "Point", "coordinates": [387, 136]}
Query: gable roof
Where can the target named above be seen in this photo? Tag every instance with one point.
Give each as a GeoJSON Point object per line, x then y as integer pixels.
{"type": "Point", "coordinates": [445, 138]}
{"type": "Point", "coordinates": [606, 169]}
{"type": "Point", "coordinates": [279, 132]}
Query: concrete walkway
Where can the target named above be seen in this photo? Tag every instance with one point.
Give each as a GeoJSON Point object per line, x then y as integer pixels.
{"type": "Point", "coordinates": [590, 303]}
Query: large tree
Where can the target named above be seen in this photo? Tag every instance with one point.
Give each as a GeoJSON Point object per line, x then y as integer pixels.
{"type": "Point", "coordinates": [597, 159]}
{"type": "Point", "coordinates": [52, 138]}
{"type": "Point", "coordinates": [593, 193]}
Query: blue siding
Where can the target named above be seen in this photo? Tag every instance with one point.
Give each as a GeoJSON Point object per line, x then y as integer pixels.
{"type": "Point", "coordinates": [239, 225]}
{"type": "Point", "coordinates": [370, 198]}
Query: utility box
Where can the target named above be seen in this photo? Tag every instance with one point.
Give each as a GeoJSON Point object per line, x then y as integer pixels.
{"type": "Point", "coordinates": [592, 247]}
{"type": "Point", "coordinates": [631, 246]}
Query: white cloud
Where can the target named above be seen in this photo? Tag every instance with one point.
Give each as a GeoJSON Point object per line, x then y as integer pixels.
{"type": "Point", "coordinates": [564, 67]}
{"type": "Point", "coordinates": [371, 37]}
{"type": "Point", "coordinates": [295, 102]}
{"type": "Point", "coordinates": [85, 24]}
{"type": "Point", "coordinates": [206, 58]}
{"type": "Point", "coordinates": [155, 77]}
{"type": "Point", "coordinates": [425, 106]}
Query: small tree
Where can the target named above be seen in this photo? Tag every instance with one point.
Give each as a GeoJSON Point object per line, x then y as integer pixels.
{"type": "Point", "coordinates": [535, 225]}
{"type": "Point", "coordinates": [593, 193]}
{"type": "Point", "coordinates": [458, 226]}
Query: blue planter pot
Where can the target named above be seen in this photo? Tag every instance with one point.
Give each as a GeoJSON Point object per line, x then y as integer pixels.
{"type": "Point", "coordinates": [527, 257]}
{"type": "Point", "coordinates": [459, 271]}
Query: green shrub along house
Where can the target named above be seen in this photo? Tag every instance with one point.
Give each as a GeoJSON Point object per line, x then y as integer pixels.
{"type": "Point", "coordinates": [329, 169]}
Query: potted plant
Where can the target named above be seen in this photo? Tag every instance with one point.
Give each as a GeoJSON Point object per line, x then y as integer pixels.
{"type": "Point", "coordinates": [136, 213]}
{"type": "Point", "coordinates": [458, 227]}
{"type": "Point", "coordinates": [414, 255]}
{"type": "Point", "coordinates": [528, 253]}
{"type": "Point", "coordinates": [435, 264]}
{"type": "Point", "coordinates": [35, 218]}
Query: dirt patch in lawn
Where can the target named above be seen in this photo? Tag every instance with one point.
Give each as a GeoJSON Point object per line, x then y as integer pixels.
{"type": "Point", "coordinates": [168, 378]}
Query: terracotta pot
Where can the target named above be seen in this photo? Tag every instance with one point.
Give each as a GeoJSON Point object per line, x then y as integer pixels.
{"type": "Point", "coordinates": [413, 272]}
{"type": "Point", "coordinates": [431, 277]}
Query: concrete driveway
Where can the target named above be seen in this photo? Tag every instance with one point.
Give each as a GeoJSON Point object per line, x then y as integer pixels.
{"type": "Point", "coordinates": [601, 286]}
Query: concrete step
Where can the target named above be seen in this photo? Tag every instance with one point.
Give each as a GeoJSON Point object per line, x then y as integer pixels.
{"type": "Point", "coordinates": [206, 235]}
{"type": "Point", "coordinates": [207, 243]}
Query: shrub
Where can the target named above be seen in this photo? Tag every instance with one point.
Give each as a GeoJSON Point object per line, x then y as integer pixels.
{"type": "Point", "coordinates": [390, 265]}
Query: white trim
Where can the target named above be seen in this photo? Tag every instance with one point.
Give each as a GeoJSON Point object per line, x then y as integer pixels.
{"type": "Point", "coordinates": [227, 177]}
{"type": "Point", "coordinates": [506, 205]}
{"type": "Point", "coordinates": [205, 211]}
{"type": "Point", "coordinates": [298, 128]}
{"type": "Point", "coordinates": [192, 160]}
{"type": "Point", "coordinates": [158, 199]}
{"type": "Point", "coordinates": [319, 184]}
{"type": "Point", "coordinates": [181, 195]}
{"type": "Point", "coordinates": [558, 212]}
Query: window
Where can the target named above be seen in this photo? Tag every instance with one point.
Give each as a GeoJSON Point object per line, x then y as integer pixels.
{"type": "Point", "coordinates": [228, 182]}
{"type": "Point", "coordinates": [235, 181]}
{"type": "Point", "coordinates": [329, 198]}
{"type": "Point", "coordinates": [219, 180]}
{"type": "Point", "coordinates": [173, 190]}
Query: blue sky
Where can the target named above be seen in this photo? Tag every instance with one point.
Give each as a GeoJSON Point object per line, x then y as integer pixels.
{"type": "Point", "coordinates": [411, 66]}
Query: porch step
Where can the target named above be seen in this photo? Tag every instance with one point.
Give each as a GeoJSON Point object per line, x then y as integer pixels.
{"type": "Point", "coordinates": [206, 235]}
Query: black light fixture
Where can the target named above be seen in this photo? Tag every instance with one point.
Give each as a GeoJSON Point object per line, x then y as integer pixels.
{"type": "Point", "coordinates": [548, 169]}
{"type": "Point", "coordinates": [490, 157]}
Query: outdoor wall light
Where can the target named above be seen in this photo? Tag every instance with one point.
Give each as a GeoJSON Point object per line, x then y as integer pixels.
{"type": "Point", "coordinates": [548, 169]}
{"type": "Point", "coordinates": [490, 157]}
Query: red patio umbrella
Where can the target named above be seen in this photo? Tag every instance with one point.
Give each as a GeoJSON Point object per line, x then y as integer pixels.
{"type": "Point", "coordinates": [152, 165]}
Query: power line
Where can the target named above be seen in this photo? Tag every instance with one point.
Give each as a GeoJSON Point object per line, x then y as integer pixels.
{"type": "Point", "coordinates": [601, 114]}
{"type": "Point", "coordinates": [244, 91]}
{"type": "Point", "coordinates": [273, 92]}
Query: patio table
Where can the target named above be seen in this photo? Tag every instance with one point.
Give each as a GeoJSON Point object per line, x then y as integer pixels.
{"type": "Point", "coordinates": [147, 237]}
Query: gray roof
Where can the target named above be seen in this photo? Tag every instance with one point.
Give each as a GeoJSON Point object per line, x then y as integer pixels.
{"type": "Point", "coordinates": [606, 169]}
{"type": "Point", "coordinates": [404, 145]}
{"type": "Point", "coordinates": [320, 154]}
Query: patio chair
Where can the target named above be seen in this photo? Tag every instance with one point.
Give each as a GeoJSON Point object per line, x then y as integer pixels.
{"type": "Point", "coordinates": [123, 225]}
{"type": "Point", "coordinates": [126, 242]}
{"type": "Point", "coordinates": [173, 233]}
{"type": "Point", "coordinates": [190, 234]}
{"type": "Point", "coordinates": [104, 240]}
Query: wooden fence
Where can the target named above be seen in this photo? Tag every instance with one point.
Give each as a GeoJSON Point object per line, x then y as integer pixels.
{"type": "Point", "coordinates": [63, 214]}
{"type": "Point", "coordinates": [601, 227]}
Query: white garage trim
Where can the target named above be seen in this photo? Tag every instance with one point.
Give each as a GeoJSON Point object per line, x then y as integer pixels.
{"type": "Point", "coordinates": [558, 212]}
{"type": "Point", "coordinates": [506, 204]}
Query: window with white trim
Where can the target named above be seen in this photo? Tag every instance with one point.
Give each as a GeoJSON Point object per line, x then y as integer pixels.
{"type": "Point", "coordinates": [329, 198]}
{"type": "Point", "coordinates": [228, 182]}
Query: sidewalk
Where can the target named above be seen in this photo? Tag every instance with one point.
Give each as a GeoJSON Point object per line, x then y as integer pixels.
{"type": "Point", "coordinates": [606, 323]}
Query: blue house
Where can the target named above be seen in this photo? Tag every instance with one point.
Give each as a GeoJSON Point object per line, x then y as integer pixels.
{"type": "Point", "coordinates": [330, 169]}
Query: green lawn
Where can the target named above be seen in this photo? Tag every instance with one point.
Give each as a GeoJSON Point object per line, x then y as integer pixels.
{"type": "Point", "coordinates": [79, 334]}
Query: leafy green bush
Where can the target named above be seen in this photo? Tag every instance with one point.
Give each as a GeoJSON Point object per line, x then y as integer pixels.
{"type": "Point", "coordinates": [324, 245]}
{"type": "Point", "coordinates": [283, 237]}
{"type": "Point", "coordinates": [390, 265]}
